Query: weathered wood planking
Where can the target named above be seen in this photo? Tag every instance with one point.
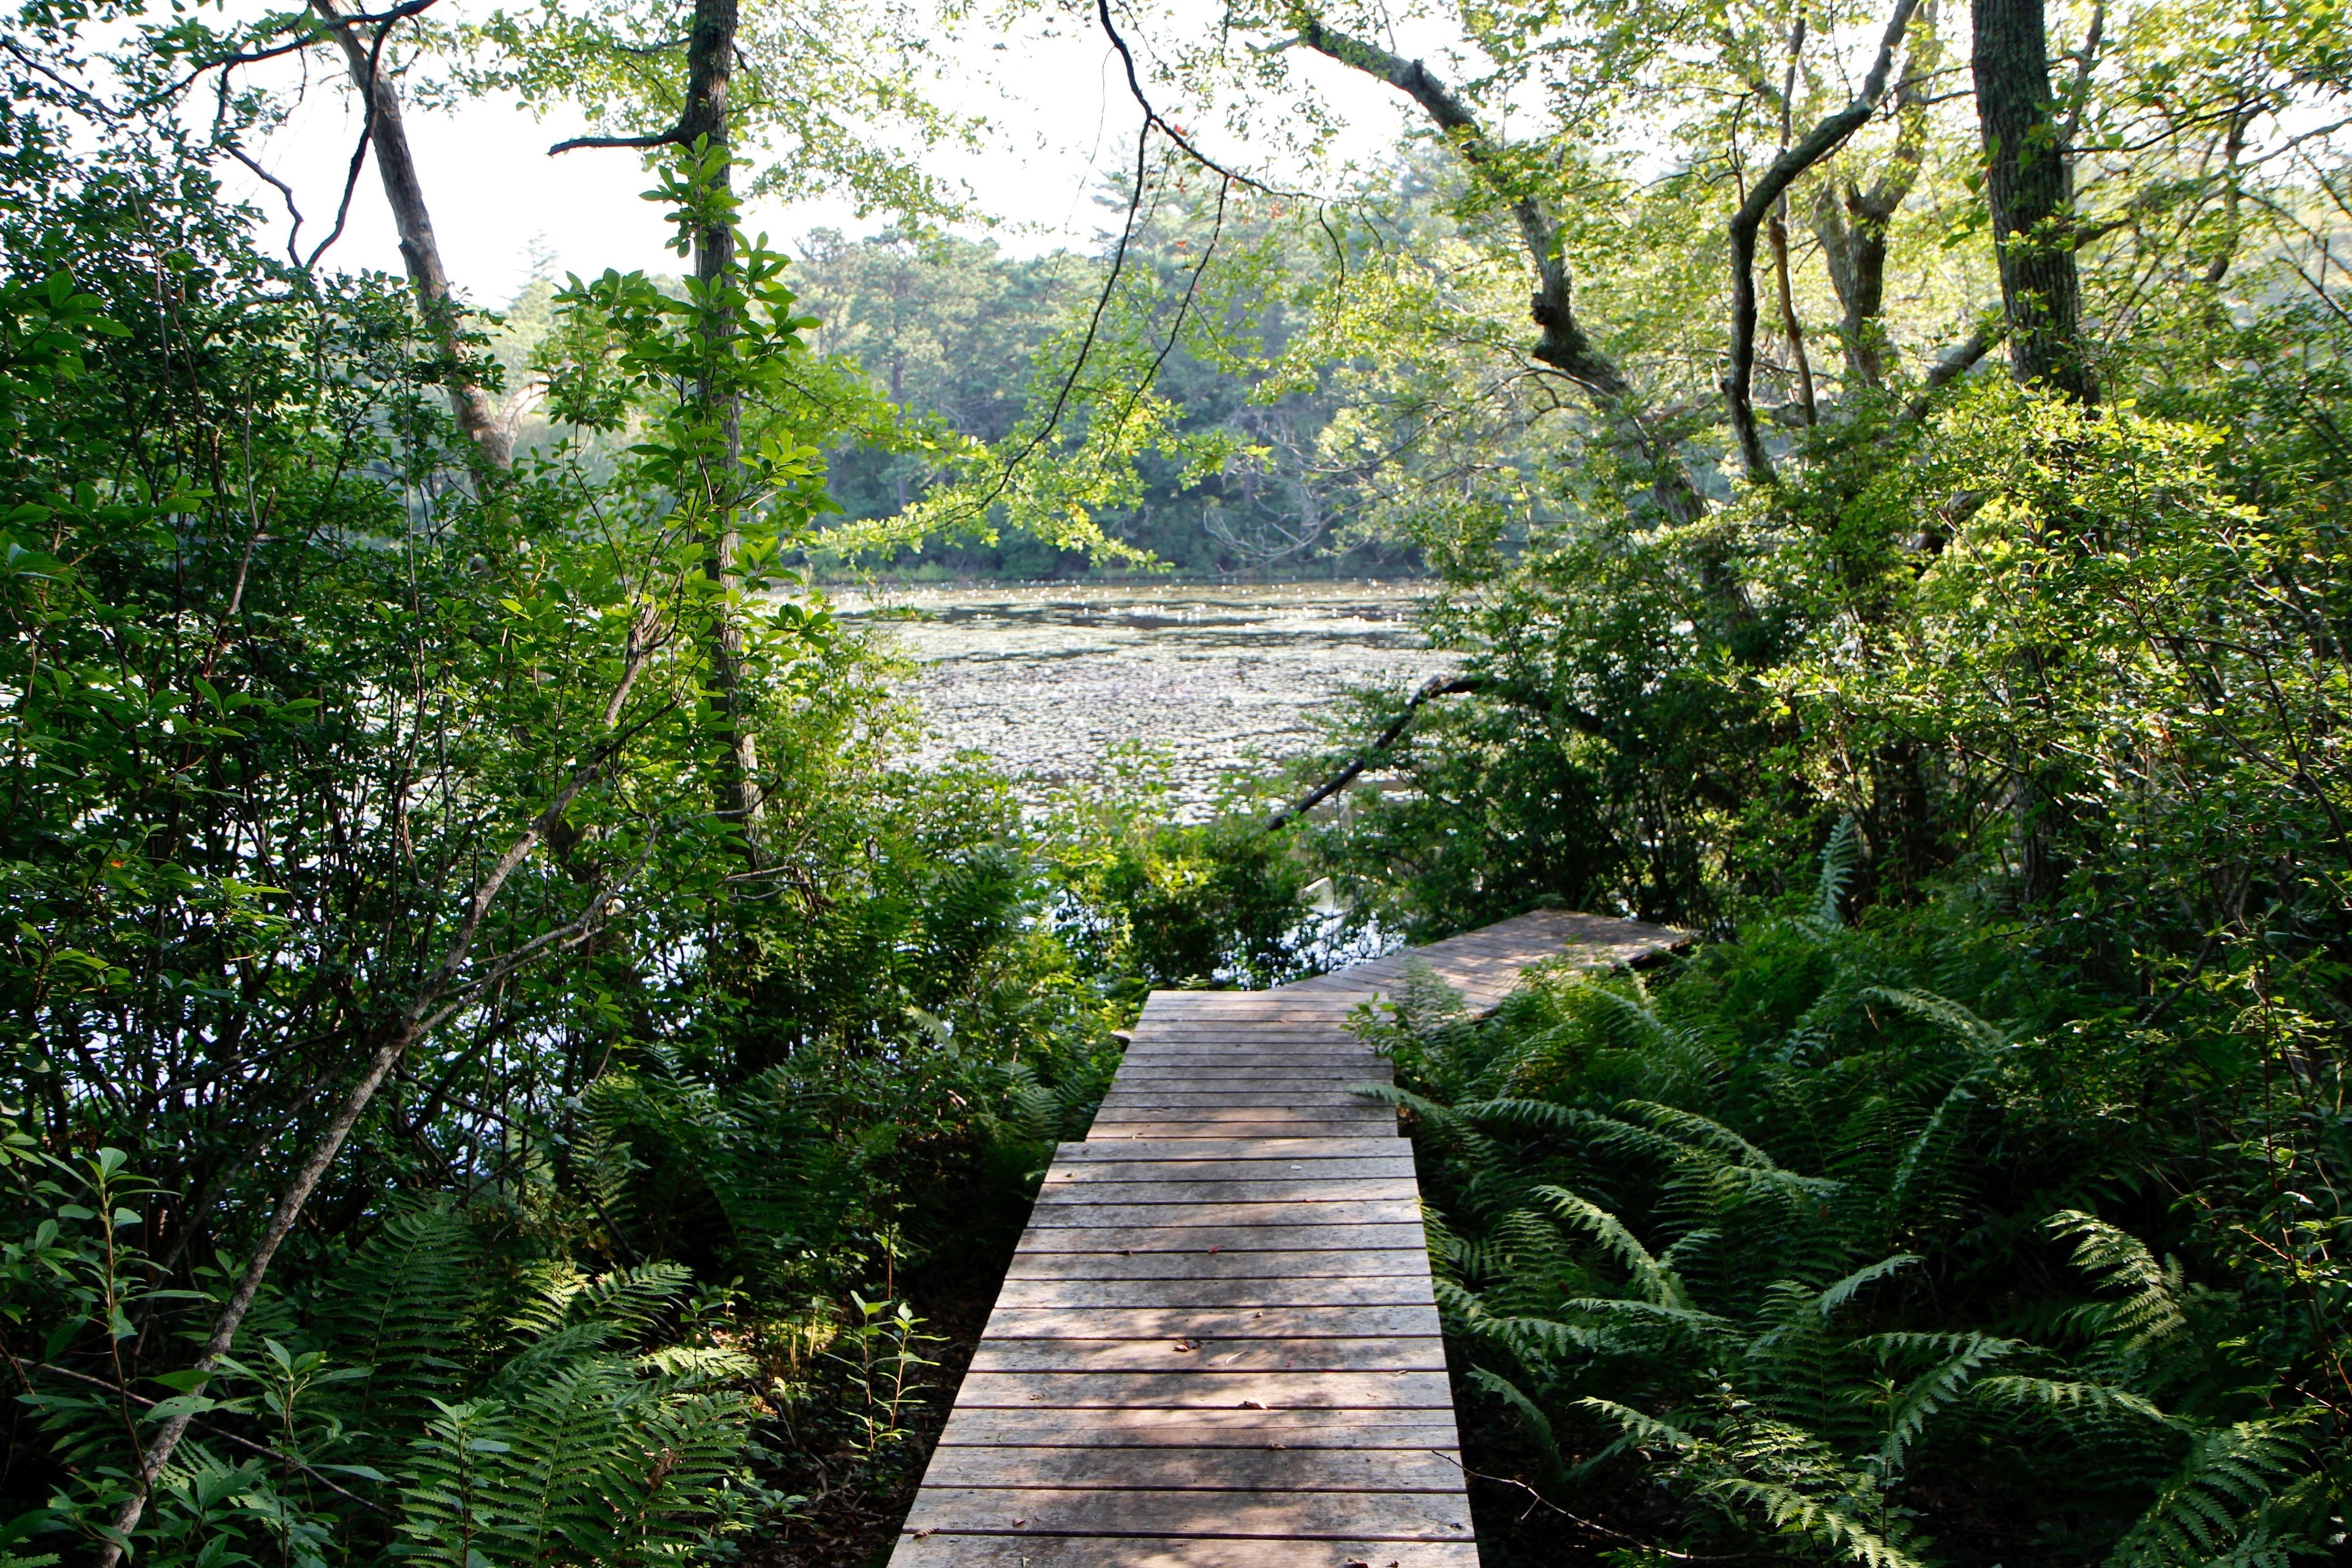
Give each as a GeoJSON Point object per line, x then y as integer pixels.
{"type": "Point", "coordinates": [1483, 965]}
{"type": "Point", "coordinates": [1218, 1345]}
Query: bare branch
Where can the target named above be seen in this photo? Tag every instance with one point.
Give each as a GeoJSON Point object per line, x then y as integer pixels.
{"type": "Point", "coordinates": [293, 234]}
{"type": "Point", "coordinates": [1435, 686]}
{"type": "Point", "coordinates": [311, 36]}
{"type": "Point", "coordinates": [1824, 139]}
{"type": "Point", "coordinates": [673, 137]}
{"type": "Point", "coordinates": [1175, 134]}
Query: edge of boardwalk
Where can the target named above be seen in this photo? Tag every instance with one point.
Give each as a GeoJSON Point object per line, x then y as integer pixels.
{"type": "Point", "coordinates": [1218, 1345]}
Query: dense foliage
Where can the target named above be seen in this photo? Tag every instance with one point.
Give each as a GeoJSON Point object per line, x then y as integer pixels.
{"type": "Point", "coordinates": [368, 905]}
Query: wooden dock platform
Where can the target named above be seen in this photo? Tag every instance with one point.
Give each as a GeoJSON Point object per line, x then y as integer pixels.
{"type": "Point", "coordinates": [1217, 1346]}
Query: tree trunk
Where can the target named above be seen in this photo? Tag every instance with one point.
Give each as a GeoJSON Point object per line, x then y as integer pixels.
{"type": "Point", "coordinates": [425, 1008]}
{"type": "Point", "coordinates": [418, 249]}
{"type": "Point", "coordinates": [710, 59]}
{"type": "Point", "coordinates": [2025, 179]}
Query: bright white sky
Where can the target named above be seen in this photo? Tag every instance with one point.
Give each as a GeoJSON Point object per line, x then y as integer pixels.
{"type": "Point", "coordinates": [1056, 95]}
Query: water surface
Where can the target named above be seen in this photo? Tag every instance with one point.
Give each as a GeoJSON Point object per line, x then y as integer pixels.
{"type": "Point", "coordinates": [1047, 679]}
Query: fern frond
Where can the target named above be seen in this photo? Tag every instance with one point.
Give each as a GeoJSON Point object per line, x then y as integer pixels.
{"type": "Point", "coordinates": [694, 1364]}
{"type": "Point", "coordinates": [1689, 1318]}
{"type": "Point", "coordinates": [2067, 1399]}
{"type": "Point", "coordinates": [1933, 1390]}
{"type": "Point", "coordinates": [1792, 1512]}
{"type": "Point", "coordinates": [1828, 1303]}
{"type": "Point", "coordinates": [1460, 1307]}
{"type": "Point", "coordinates": [1934, 1141]}
{"type": "Point", "coordinates": [1693, 1130]}
{"type": "Point", "coordinates": [1646, 1431]}
{"type": "Point", "coordinates": [1539, 1342]}
{"type": "Point", "coordinates": [1839, 859]}
{"type": "Point", "coordinates": [2151, 1311]}
{"type": "Point", "coordinates": [410, 1297]}
{"type": "Point", "coordinates": [1538, 1423]}
{"type": "Point", "coordinates": [2213, 1503]}
{"type": "Point", "coordinates": [1658, 1283]}
{"type": "Point", "coordinates": [1943, 1010]}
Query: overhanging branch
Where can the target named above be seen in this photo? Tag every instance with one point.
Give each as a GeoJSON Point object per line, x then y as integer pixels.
{"type": "Point", "coordinates": [1435, 686]}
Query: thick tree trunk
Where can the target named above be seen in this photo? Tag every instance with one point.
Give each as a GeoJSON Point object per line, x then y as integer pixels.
{"type": "Point", "coordinates": [2027, 183]}
{"type": "Point", "coordinates": [419, 250]}
{"type": "Point", "coordinates": [2026, 180]}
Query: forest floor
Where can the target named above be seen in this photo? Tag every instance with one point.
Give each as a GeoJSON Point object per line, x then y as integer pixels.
{"type": "Point", "coordinates": [855, 1504]}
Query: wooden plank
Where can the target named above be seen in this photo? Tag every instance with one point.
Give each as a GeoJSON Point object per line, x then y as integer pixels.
{"type": "Point", "coordinates": [1211, 1325]}
{"type": "Point", "coordinates": [1268, 1515]}
{"type": "Point", "coordinates": [1289, 1211]}
{"type": "Point", "coordinates": [1213, 1077]}
{"type": "Point", "coordinates": [1246, 1148]}
{"type": "Point", "coordinates": [1206, 1110]}
{"type": "Point", "coordinates": [1209, 1390]}
{"type": "Point", "coordinates": [1197, 1468]}
{"type": "Point", "coordinates": [1203, 1059]}
{"type": "Point", "coordinates": [1020, 1550]}
{"type": "Point", "coordinates": [1211, 1358]}
{"type": "Point", "coordinates": [1075, 1175]}
{"type": "Point", "coordinates": [1486, 964]}
{"type": "Point", "coordinates": [1198, 1241]}
{"type": "Point", "coordinates": [1408, 1260]}
{"type": "Point", "coordinates": [1231, 1293]}
{"type": "Point", "coordinates": [1149, 1427]}
{"type": "Point", "coordinates": [1356, 1118]}
{"type": "Point", "coordinates": [1211, 1092]}
{"type": "Point", "coordinates": [1339, 1115]}
{"type": "Point", "coordinates": [1288, 1128]}
{"type": "Point", "coordinates": [1244, 1033]}
{"type": "Point", "coordinates": [1337, 1092]}
{"type": "Point", "coordinates": [1287, 1189]}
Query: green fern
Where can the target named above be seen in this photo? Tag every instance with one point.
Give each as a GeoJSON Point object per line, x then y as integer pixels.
{"type": "Point", "coordinates": [2213, 1506]}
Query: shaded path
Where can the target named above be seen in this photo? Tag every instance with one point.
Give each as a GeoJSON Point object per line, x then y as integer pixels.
{"type": "Point", "coordinates": [1217, 1346]}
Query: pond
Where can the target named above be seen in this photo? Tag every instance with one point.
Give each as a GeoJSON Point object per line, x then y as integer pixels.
{"type": "Point", "coordinates": [1049, 679]}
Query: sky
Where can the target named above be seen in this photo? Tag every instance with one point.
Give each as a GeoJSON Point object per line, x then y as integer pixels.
{"type": "Point", "coordinates": [500, 205]}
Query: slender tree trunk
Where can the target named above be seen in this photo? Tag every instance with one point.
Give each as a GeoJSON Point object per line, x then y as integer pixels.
{"type": "Point", "coordinates": [419, 250]}
{"type": "Point", "coordinates": [425, 1008]}
{"type": "Point", "coordinates": [710, 57]}
{"type": "Point", "coordinates": [2026, 180]}
{"type": "Point", "coordinates": [2027, 183]}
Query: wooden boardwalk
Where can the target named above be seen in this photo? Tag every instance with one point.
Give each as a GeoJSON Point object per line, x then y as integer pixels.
{"type": "Point", "coordinates": [1217, 1346]}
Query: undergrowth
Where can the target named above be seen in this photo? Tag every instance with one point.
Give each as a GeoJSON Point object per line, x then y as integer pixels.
{"type": "Point", "coordinates": [1887, 1244]}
